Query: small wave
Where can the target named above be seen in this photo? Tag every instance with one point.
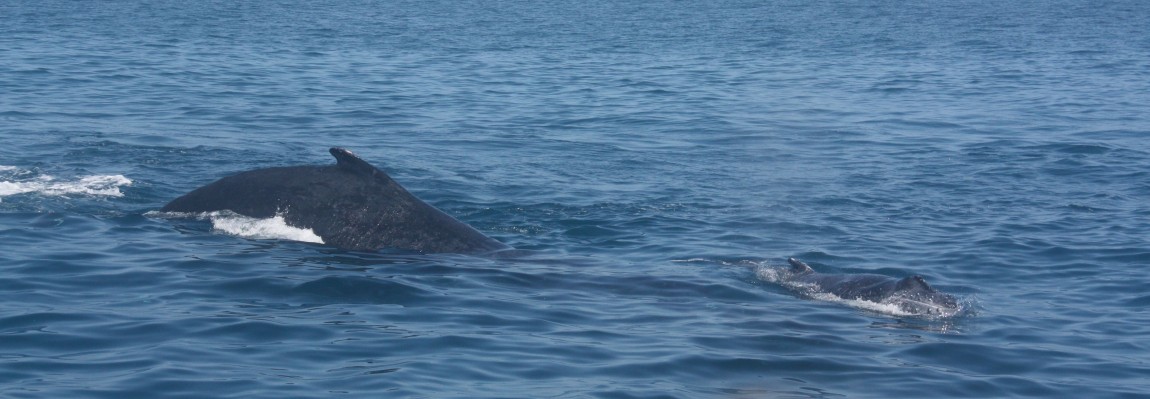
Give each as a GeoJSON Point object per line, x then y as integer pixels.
{"type": "Point", "coordinates": [231, 223]}
{"type": "Point", "coordinates": [101, 185]}
{"type": "Point", "coordinates": [361, 289]}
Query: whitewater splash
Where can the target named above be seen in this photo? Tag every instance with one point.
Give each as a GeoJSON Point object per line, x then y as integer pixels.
{"type": "Point", "coordinates": [231, 223]}
{"type": "Point", "coordinates": [100, 185]}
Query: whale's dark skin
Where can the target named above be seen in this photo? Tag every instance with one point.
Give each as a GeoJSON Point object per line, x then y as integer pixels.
{"type": "Point", "coordinates": [911, 294]}
{"type": "Point", "coordinates": [350, 205]}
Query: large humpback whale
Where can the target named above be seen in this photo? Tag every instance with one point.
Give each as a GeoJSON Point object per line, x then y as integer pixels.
{"type": "Point", "coordinates": [350, 205]}
{"type": "Point", "coordinates": [911, 295]}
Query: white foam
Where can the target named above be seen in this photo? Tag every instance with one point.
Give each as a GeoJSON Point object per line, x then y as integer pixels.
{"type": "Point", "coordinates": [769, 274]}
{"type": "Point", "coordinates": [102, 185]}
{"type": "Point", "coordinates": [885, 308]}
{"type": "Point", "coordinates": [274, 227]}
{"type": "Point", "coordinates": [231, 223]}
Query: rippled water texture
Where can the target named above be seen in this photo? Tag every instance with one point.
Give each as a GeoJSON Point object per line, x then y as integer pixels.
{"type": "Point", "coordinates": [650, 158]}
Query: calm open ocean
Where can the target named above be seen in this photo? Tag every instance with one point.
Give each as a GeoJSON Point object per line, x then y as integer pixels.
{"type": "Point", "coordinates": [653, 157]}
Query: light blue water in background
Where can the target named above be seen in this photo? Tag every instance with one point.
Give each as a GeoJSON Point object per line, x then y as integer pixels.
{"type": "Point", "coordinates": [651, 154]}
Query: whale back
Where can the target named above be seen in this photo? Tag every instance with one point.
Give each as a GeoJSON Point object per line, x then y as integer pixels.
{"type": "Point", "coordinates": [911, 294]}
{"type": "Point", "coordinates": [351, 205]}
{"type": "Point", "coordinates": [798, 267]}
{"type": "Point", "coordinates": [913, 283]}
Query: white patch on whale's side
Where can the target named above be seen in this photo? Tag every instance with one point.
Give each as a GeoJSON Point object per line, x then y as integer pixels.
{"type": "Point", "coordinates": [11, 183]}
{"type": "Point", "coordinates": [231, 223]}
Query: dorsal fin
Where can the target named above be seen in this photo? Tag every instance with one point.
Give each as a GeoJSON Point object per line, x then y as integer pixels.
{"type": "Point", "coordinates": [344, 159]}
{"type": "Point", "coordinates": [915, 281]}
{"type": "Point", "coordinates": [798, 266]}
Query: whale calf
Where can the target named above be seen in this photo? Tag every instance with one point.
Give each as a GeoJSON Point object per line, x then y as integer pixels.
{"type": "Point", "coordinates": [350, 205]}
{"type": "Point", "coordinates": [911, 295]}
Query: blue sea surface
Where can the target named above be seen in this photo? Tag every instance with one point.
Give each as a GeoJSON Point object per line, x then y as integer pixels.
{"type": "Point", "coordinates": [652, 158]}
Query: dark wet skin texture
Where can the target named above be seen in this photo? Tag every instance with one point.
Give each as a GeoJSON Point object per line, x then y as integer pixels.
{"type": "Point", "coordinates": [351, 205]}
{"type": "Point", "coordinates": [911, 294]}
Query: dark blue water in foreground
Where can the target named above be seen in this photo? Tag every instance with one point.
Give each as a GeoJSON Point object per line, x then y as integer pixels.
{"type": "Point", "coordinates": [651, 155]}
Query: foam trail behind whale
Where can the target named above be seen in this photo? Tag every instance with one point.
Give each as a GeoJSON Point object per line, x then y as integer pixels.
{"type": "Point", "coordinates": [13, 181]}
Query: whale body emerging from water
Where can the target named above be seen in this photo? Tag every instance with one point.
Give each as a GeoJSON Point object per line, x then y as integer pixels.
{"type": "Point", "coordinates": [911, 295]}
{"type": "Point", "coordinates": [351, 205]}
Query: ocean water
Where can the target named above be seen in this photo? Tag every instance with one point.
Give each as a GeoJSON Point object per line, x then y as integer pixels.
{"type": "Point", "coordinates": [653, 159]}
